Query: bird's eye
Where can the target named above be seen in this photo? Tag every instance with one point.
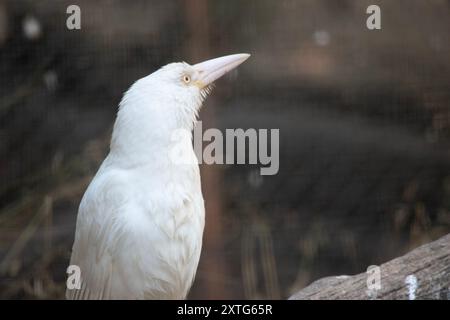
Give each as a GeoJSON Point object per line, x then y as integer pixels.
{"type": "Point", "coordinates": [186, 79]}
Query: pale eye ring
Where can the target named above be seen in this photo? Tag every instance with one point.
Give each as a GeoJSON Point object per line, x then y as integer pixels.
{"type": "Point", "coordinates": [186, 79]}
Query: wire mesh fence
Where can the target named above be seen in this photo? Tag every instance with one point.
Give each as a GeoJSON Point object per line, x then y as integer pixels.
{"type": "Point", "coordinates": [363, 115]}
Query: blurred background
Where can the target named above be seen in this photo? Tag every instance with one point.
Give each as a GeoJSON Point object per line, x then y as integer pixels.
{"type": "Point", "coordinates": [364, 121]}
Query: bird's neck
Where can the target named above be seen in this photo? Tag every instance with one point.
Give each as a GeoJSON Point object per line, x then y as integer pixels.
{"type": "Point", "coordinates": [144, 137]}
{"type": "Point", "coordinates": [156, 150]}
{"type": "Point", "coordinates": [152, 126]}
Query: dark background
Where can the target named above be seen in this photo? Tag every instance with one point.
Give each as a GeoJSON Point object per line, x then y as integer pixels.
{"type": "Point", "coordinates": [363, 117]}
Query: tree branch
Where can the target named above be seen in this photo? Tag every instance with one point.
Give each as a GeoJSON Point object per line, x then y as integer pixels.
{"type": "Point", "coordinates": [423, 273]}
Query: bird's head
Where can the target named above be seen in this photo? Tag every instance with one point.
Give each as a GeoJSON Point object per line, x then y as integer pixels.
{"type": "Point", "coordinates": [177, 90]}
{"type": "Point", "coordinates": [169, 98]}
{"type": "Point", "coordinates": [197, 79]}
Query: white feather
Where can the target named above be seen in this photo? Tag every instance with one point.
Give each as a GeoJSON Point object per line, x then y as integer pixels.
{"type": "Point", "coordinates": [140, 222]}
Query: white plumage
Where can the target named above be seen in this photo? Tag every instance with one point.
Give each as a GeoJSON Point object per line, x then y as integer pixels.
{"type": "Point", "coordinates": [140, 222]}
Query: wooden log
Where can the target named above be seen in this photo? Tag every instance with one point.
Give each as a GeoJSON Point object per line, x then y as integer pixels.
{"type": "Point", "coordinates": [423, 273]}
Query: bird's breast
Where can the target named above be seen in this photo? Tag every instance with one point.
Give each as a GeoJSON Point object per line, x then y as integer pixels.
{"type": "Point", "coordinates": [175, 216]}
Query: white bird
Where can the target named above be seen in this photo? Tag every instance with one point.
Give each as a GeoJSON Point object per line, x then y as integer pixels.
{"type": "Point", "coordinates": [140, 223]}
